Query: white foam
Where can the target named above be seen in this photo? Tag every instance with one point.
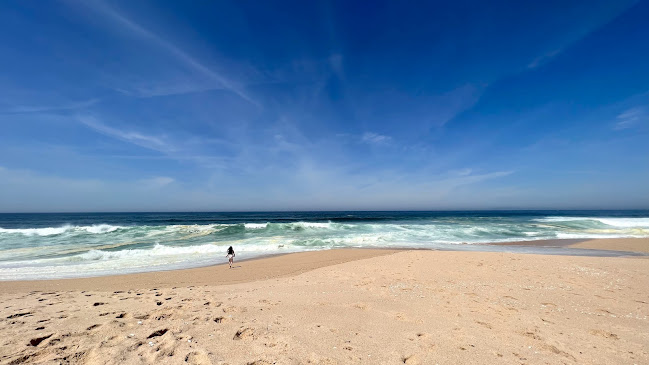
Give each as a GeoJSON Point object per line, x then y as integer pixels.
{"type": "Point", "coordinates": [627, 233]}
{"type": "Point", "coordinates": [198, 228]}
{"type": "Point", "coordinates": [256, 225]}
{"type": "Point", "coordinates": [157, 250]}
{"type": "Point", "coordinates": [560, 219]}
{"type": "Point", "coordinates": [615, 222]}
{"type": "Point", "coordinates": [158, 257]}
{"type": "Point", "coordinates": [312, 224]}
{"type": "Point", "coordinates": [51, 231]}
{"type": "Point", "coordinates": [625, 222]}
{"type": "Point", "coordinates": [100, 228]}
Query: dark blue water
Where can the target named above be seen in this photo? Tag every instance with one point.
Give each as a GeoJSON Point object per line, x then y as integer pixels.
{"type": "Point", "coordinates": [43, 220]}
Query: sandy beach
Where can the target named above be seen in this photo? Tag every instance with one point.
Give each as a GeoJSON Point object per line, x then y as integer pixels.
{"type": "Point", "coordinates": [344, 306]}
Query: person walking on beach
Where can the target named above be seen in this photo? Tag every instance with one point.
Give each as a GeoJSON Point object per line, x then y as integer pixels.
{"type": "Point", "coordinates": [230, 255]}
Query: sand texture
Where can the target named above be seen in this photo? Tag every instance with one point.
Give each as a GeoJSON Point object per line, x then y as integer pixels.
{"type": "Point", "coordinates": [627, 244]}
{"type": "Point", "coordinates": [412, 307]}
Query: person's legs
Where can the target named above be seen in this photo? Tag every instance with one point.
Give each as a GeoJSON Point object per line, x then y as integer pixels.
{"type": "Point", "coordinates": [230, 262]}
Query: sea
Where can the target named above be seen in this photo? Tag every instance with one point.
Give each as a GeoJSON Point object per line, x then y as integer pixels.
{"type": "Point", "coordinates": [50, 246]}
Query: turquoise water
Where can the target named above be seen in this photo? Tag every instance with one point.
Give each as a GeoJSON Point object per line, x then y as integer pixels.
{"type": "Point", "coordinates": [38, 246]}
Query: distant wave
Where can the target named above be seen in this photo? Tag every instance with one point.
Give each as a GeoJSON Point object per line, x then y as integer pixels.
{"type": "Point", "coordinates": [51, 231]}
{"type": "Point", "coordinates": [443, 230]}
{"type": "Point", "coordinates": [614, 222]}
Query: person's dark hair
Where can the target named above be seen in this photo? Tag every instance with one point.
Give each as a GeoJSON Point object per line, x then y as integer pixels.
{"type": "Point", "coordinates": [230, 251]}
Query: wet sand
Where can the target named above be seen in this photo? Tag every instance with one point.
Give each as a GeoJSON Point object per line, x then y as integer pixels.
{"type": "Point", "coordinates": [341, 307]}
{"type": "Point", "coordinates": [627, 244]}
{"type": "Point", "coordinates": [637, 245]}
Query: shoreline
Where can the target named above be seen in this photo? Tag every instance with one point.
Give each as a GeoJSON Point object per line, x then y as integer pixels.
{"type": "Point", "coordinates": [628, 244]}
{"type": "Point", "coordinates": [557, 242]}
{"type": "Point", "coordinates": [289, 264]}
{"type": "Point", "coordinates": [266, 267]}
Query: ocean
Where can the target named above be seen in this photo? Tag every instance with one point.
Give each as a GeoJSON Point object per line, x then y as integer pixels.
{"type": "Point", "coordinates": [48, 246]}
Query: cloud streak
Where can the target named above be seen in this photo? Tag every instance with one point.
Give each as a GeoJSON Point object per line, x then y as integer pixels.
{"type": "Point", "coordinates": [375, 138]}
{"type": "Point", "coordinates": [136, 138]}
{"type": "Point", "coordinates": [451, 104]}
{"type": "Point", "coordinates": [630, 118]}
{"type": "Point", "coordinates": [544, 58]}
{"type": "Point", "coordinates": [170, 149]}
{"type": "Point", "coordinates": [140, 31]}
{"type": "Point", "coordinates": [41, 108]}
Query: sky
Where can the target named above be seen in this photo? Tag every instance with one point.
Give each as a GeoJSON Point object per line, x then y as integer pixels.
{"type": "Point", "coordinates": [323, 105]}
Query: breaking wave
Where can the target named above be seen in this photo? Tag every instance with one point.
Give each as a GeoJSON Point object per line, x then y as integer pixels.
{"type": "Point", "coordinates": [103, 248]}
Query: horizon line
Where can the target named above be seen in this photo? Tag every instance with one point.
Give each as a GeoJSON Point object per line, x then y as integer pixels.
{"type": "Point", "coordinates": [339, 211]}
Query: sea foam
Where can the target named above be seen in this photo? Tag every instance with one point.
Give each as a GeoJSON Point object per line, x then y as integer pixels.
{"type": "Point", "coordinates": [134, 245]}
{"type": "Point", "coordinates": [51, 231]}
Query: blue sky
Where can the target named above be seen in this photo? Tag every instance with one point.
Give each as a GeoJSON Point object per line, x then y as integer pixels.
{"type": "Point", "coordinates": [323, 105]}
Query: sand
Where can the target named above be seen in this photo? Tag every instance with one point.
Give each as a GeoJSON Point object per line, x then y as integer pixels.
{"type": "Point", "coordinates": [628, 244]}
{"type": "Point", "coordinates": [341, 307]}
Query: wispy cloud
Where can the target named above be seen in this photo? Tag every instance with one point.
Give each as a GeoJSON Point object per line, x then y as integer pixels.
{"type": "Point", "coordinates": [476, 178]}
{"type": "Point", "coordinates": [188, 150]}
{"type": "Point", "coordinates": [137, 138]}
{"type": "Point", "coordinates": [158, 181]}
{"type": "Point", "coordinates": [544, 58]}
{"type": "Point", "coordinates": [167, 89]}
{"type": "Point", "coordinates": [631, 118]}
{"type": "Point", "coordinates": [375, 138]}
{"type": "Point", "coordinates": [140, 31]}
{"type": "Point", "coordinates": [449, 105]}
{"type": "Point", "coordinates": [51, 108]}
{"type": "Point", "coordinates": [615, 10]}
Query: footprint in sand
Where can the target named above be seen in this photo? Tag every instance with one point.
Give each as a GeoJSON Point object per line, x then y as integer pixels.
{"type": "Point", "coordinates": [484, 324]}
{"type": "Point", "coordinates": [158, 333]}
{"type": "Point", "coordinates": [532, 334]}
{"type": "Point", "coordinates": [19, 315]}
{"type": "Point", "coordinates": [605, 334]}
{"type": "Point", "coordinates": [162, 316]}
{"type": "Point", "coordinates": [244, 333]}
{"type": "Point", "coordinates": [557, 351]}
{"type": "Point", "coordinates": [36, 341]}
{"type": "Point", "coordinates": [605, 311]}
{"type": "Point", "coordinates": [412, 359]}
{"type": "Point", "coordinates": [260, 362]}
